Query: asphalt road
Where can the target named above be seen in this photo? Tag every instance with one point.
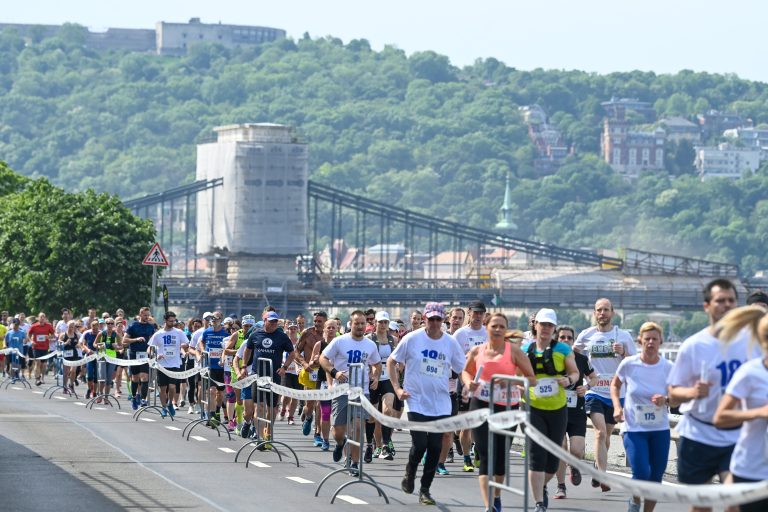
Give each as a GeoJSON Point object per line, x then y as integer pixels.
{"type": "Point", "coordinates": [57, 455]}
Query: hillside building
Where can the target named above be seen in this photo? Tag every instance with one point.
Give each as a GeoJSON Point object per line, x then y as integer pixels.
{"type": "Point", "coordinates": [551, 149]}
{"type": "Point", "coordinates": [628, 152]}
{"type": "Point", "coordinates": [714, 122]}
{"type": "Point", "coordinates": [678, 129]}
{"type": "Point", "coordinates": [725, 161]}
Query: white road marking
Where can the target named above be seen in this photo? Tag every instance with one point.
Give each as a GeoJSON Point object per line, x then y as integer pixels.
{"type": "Point", "coordinates": [226, 450]}
{"type": "Point", "coordinates": [60, 397]}
{"type": "Point", "coordinates": [260, 464]}
{"type": "Point", "coordinates": [124, 413]}
{"type": "Point", "coordinates": [198, 438]}
{"type": "Point", "coordinates": [299, 480]}
{"type": "Point", "coordinates": [351, 499]}
{"type": "Point", "coordinates": [38, 392]}
{"type": "Point", "coordinates": [147, 419]}
{"type": "Point", "coordinates": [169, 427]}
{"type": "Point", "coordinates": [78, 403]}
{"type": "Point", "coordinates": [16, 388]}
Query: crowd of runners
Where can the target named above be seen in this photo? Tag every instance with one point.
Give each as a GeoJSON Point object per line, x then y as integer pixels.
{"type": "Point", "coordinates": [436, 365]}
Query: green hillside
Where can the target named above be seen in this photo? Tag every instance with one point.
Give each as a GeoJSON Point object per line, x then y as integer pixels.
{"type": "Point", "coordinates": [415, 131]}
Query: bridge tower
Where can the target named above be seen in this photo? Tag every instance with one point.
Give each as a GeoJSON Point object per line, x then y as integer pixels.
{"type": "Point", "coordinates": [506, 224]}
{"type": "Point", "coordinates": [258, 217]}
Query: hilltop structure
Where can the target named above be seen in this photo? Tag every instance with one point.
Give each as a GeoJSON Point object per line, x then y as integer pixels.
{"type": "Point", "coordinates": [166, 39]}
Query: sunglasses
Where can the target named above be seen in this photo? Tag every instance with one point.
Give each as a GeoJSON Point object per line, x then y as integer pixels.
{"type": "Point", "coordinates": [564, 337]}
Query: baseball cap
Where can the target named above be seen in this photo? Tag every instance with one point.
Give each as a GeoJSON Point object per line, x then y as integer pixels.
{"type": "Point", "coordinates": [477, 306]}
{"type": "Point", "coordinates": [382, 315]}
{"type": "Point", "coordinates": [433, 309]}
{"type": "Point", "coordinates": [207, 315]}
{"type": "Point", "coordinates": [271, 316]}
{"type": "Point", "coordinates": [249, 320]}
{"type": "Point", "coordinates": [758, 296]}
{"type": "Point", "coordinates": [227, 320]}
{"type": "Point", "coordinates": [546, 315]}
{"type": "Point", "coordinates": [394, 326]}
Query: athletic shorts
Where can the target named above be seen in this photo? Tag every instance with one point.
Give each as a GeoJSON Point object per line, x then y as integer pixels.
{"type": "Point", "coordinates": [291, 380]}
{"type": "Point", "coordinates": [552, 424]}
{"type": "Point", "coordinates": [594, 405]}
{"type": "Point", "coordinates": [577, 422]}
{"type": "Point", "coordinates": [40, 352]}
{"type": "Point", "coordinates": [247, 392]}
{"type": "Point", "coordinates": [384, 387]}
{"type": "Point", "coordinates": [752, 506]}
{"type": "Point", "coordinates": [165, 380]}
{"type": "Point", "coordinates": [697, 462]}
{"type": "Point", "coordinates": [265, 397]}
{"type": "Point", "coordinates": [340, 410]}
{"type": "Point", "coordinates": [215, 374]}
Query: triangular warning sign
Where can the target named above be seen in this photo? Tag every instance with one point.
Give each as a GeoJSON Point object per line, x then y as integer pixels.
{"type": "Point", "coordinates": [155, 256]}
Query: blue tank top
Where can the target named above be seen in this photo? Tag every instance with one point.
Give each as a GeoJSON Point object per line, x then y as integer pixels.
{"type": "Point", "coordinates": [214, 345]}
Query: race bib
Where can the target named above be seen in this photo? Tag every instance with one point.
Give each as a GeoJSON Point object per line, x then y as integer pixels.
{"type": "Point", "coordinates": [432, 368]}
{"type": "Point", "coordinates": [140, 356]}
{"type": "Point", "coordinates": [546, 387]}
{"type": "Point", "coordinates": [313, 375]}
{"type": "Point", "coordinates": [601, 349]}
{"type": "Point", "coordinates": [500, 395]}
{"type": "Point", "coordinates": [649, 415]}
{"type": "Point", "coordinates": [41, 338]}
{"type": "Point", "coordinates": [228, 361]}
{"type": "Point", "coordinates": [603, 385]}
{"type": "Point", "coordinates": [571, 398]}
{"type": "Point", "coordinates": [215, 353]}
{"type": "Point", "coordinates": [453, 385]}
{"type": "Point", "coordinates": [169, 352]}
{"type": "Point", "coordinates": [69, 353]}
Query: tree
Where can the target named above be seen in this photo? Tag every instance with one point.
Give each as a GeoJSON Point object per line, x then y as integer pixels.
{"type": "Point", "coordinates": [76, 250]}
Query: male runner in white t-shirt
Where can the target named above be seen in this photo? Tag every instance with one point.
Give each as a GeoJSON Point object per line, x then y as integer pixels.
{"type": "Point", "coordinates": [429, 355]}
{"type": "Point", "coordinates": [168, 344]}
{"type": "Point", "coordinates": [347, 349]}
{"type": "Point", "coordinates": [704, 450]}
{"type": "Point", "coordinates": [606, 346]}
{"type": "Point", "coordinates": [470, 336]}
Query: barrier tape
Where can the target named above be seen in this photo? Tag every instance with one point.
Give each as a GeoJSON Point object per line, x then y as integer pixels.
{"type": "Point", "coordinates": [471, 419]}
{"type": "Point", "coordinates": [702, 495]}
{"type": "Point", "coordinates": [80, 362]}
{"type": "Point", "coordinates": [176, 375]}
{"type": "Point", "coordinates": [18, 352]}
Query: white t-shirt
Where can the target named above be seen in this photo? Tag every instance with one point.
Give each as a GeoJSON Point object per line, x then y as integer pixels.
{"type": "Point", "coordinates": [168, 344]}
{"type": "Point", "coordinates": [345, 350]}
{"type": "Point", "coordinates": [292, 369]}
{"type": "Point", "coordinates": [240, 353]}
{"type": "Point", "coordinates": [61, 327]}
{"type": "Point", "coordinates": [750, 456]}
{"type": "Point", "coordinates": [468, 337]}
{"type": "Point", "coordinates": [642, 381]}
{"type": "Point", "coordinates": [598, 346]}
{"type": "Point", "coordinates": [428, 365]}
{"type": "Point", "coordinates": [721, 360]}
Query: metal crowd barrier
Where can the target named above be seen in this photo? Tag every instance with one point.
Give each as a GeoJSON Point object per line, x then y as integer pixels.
{"type": "Point", "coordinates": [355, 436]}
{"type": "Point", "coordinates": [203, 400]}
{"type": "Point", "coordinates": [509, 384]}
{"type": "Point", "coordinates": [58, 369]}
{"type": "Point", "coordinates": [264, 424]}
{"type": "Point", "coordinates": [101, 378]}
{"type": "Point", "coordinates": [17, 375]}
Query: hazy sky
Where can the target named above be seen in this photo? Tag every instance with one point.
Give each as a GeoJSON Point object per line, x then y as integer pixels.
{"type": "Point", "coordinates": [664, 36]}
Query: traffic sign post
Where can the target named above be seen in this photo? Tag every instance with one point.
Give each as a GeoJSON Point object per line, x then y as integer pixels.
{"type": "Point", "coordinates": [156, 258]}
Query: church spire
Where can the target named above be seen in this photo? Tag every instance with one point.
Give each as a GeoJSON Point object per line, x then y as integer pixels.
{"type": "Point", "coordinates": [506, 223]}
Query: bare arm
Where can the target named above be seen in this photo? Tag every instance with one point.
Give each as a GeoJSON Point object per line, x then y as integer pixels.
{"type": "Point", "coordinates": [730, 414]}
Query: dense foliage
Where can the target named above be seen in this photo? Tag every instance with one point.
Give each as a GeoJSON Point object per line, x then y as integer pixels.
{"type": "Point", "coordinates": [413, 130]}
{"type": "Point", "coordinates": [69, 249]}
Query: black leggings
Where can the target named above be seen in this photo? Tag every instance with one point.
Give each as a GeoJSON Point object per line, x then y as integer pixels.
{"type": "Point", "coordinates": [480, 437]}
{"type": "Point", "coordinates": [192, 389]}
{"type": "Point", "coordinates": [552, 424]}
{"type": "Point", "coordinates": [431, 442]}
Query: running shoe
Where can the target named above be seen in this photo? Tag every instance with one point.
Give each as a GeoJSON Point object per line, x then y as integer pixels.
{"type": "Point", "coordinates": [575, 476]}
{"type": "Point", "coordinates": [497, 504]}
{"type": "Point", "coordinates": [633, 507]}
{"type": "Point", "coordinates": [318, 441]}
{"type": "Point", "coordinates": [545, 501]}
{"type": "Point", "coordinates": [134, 404]}
{"type": "Point", "coordinates": [391, 447]}
{"type": "Point", "coordinates": [457, 444]}
{"type": "Point", "coordinates": [408, 482]}
{"type": "Point", "coordinates": [87, 394]}
{"type": "Point", "coordinates": [306, 427]}
{"type": "Point", "coordinates": [540, 508]}
{"type": "Point", "coordinates": [282, 413]}
{"type": "Point", "coordinates": [171, 410]}
{"type": "Point", "coordinates": [560, 493]}
{"type": "Point", "coordinates": [353, 469]}
{"type": "Point", "coordinates": [182, 403]}
{"type": "Point", "coordinates": [191, 409]}
{"type": "Point", "coordinates": [231, 425]}
{"type": "Point", "coordinates": [449, 458]}
{"type": "Point", "coordinates": [144, 403]}
{"type": "Point", "coordinates": [338, 452]}
{"type": "Point", "coordinates": [163, 412]}
{"type": "Point", "coordinates": [290, 420]}
{"type": "Point", "coordinates": [425, 498]}
{"type": "Point", "coordinates": [368, 457]}
{"type": "Point", "coordinates": [442, 470]}
{"type": "Point", "coordinates": [377, 453]}
{"type": "Point", "coordinates": [326, 445]}
{"type": "Point", "coordinates": [605, 488]}
{"type": "Point", "coordinates": [468, 467]}
{"type": "Point", "coordinates": [387, 454]}
{"type": "Point", "coordinates": [245, 430]}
